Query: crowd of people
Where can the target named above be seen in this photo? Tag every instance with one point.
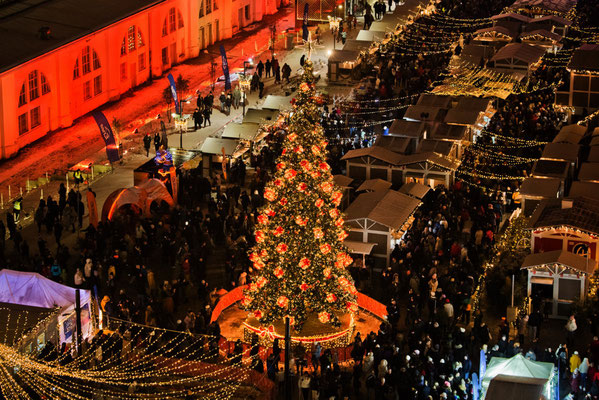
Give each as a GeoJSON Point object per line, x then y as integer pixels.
{"type": "Point", "coordinates": [154, 271]}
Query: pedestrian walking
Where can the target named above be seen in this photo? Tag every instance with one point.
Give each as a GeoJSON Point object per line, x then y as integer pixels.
{"type": "Point", "coordinates": [260, 68]}
{"type": "Point", "coordinates": [197, 119]}
{"type": "Point", "coordinates": [207, 114]}
{"type": "Point", "coordinates": [156, 141]}
{"type": "Point", "coordinates": [147, 143]}
{"type": "Point", "coordinates": [268, 68]}
{"type": "Point", "coordinates": [17, 205]}
{"type": "Point", "coordinates": [222, 99]}
{"type": "Point", "coordinates": [236, 97]}
{"type": "Point", "coordinates": [286, 72]}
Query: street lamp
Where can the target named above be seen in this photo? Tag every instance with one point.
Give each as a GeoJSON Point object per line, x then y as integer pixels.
{"type": "Point", "coordinates": [181, 122]}
{"type": "Point", "coordinates": [334, 24]}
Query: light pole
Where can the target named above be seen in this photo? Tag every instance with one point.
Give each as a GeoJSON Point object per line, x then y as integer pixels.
{"type": "Point", "coordinates": [213, 66]}
{"type": "Point", "coordinates": [245, 83]}
{"type": "Point", "coordinates": [334, 24]}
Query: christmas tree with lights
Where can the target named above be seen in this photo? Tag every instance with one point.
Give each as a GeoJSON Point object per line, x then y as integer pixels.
{"type": "Point", "coordinates": [299, 258]}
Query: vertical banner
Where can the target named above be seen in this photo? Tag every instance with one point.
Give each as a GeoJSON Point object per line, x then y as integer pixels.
{"type": "Point", "coordinates": [112, 151]}
{"type": "Point", "coordinates": [92, 208]}
{"type": "Point", "coordinates": [174, 92]}
{"type": "Point", "coordinates": [482, 367]}
{"type": "Point", "coordinates": [475, 387]}
{"type": "Point", "coordinates": [174, 183]}
{"type": "Point", "coordinates": [225, 65]}
{"type": "Point", "coordinates": [224, 163]}
{"type": "Point", "coordinates": [305, 24]}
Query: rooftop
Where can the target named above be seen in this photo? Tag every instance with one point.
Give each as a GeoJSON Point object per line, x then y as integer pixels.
{"type": "Point", "coordinates": [580, 213]}
{"type": "Point", "coordinates": [521, 51]}
{"type": "Point", "coordinates": [540, 187]}
{"type": "Point", "coordinates": [389, 208]}
{"type": "Point", "coordinates": [68, 20]}
{"type": "Point", "coordinates": [586, 57]}
{"type": "Point", "coordinates": [562, 257]}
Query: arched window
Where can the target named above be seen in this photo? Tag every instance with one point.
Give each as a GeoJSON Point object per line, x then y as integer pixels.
{"type": "Point", "coordinates": [45, 85]}
{"type": "Point", "coordinates": [90, 64]}
{"type": "Point", "coordinates": [35, 84]}
{"type": "Point", "coordinates": [22, 96]}
{"type": "Point", "coordinates": [96, 60]}
{"type": "Point", "coordinates": [133, 40]}
{"type": "Point", "coordinates": [171, 20]}
{"type": "Point", "coordinates": [179, 20]}
{"type": "Point", "coordinates": [76, 73]}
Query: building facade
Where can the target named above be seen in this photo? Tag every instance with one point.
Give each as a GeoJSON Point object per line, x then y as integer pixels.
{"type": "Point", "coordinates": [77, 73]}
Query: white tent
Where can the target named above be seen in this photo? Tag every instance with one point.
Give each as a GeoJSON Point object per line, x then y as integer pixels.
{"type": "Point", "coordinates": [516, 366]}
{"type": "Point", "coordinates": [32, 289]}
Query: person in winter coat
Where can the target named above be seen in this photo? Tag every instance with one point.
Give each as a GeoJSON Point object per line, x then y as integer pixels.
{"type": "Point", "coordinates": [583, 368]}
{"type": "Point", "coordinates": [147, 143]}
{"type": "Point", "coordinates": [574, 361]}
{"type": "Point", "coordinates": [268, 68]}
{"type": "Point", "coordinates": [157, 141]}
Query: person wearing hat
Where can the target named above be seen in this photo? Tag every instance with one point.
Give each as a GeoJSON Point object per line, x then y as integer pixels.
{"type": "Point", "coordinates": [575, 361]}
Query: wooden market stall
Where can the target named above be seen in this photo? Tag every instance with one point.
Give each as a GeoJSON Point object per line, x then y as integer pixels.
{"type": "Point", "coordinates": [559, 277]}
{"type": "Point", "coordinates": [341, 63]}
{"type": "Point", "coordinates": [380, 217]}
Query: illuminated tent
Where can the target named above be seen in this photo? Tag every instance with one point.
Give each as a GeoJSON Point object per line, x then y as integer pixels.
{"type": "Point", "coordinates": [517, 366]}
{"type": "Point", "coordinates": [140, 198]}
{"type": "Point", "coordinates": [33, 290]}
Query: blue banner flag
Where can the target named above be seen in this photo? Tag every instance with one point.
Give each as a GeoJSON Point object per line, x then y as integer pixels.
{"type": "Point", "coordinates": [225, 65]}
{"type": "Point", "coordinates": [174, 92]}
{"type": "Point", "coordinates": [482, 368]}
{"type": "Point", "coordinates": [305, 25]}
{"type": "Point", "coordinates": [112, 151]}
{"type": "Point", "coordinates": [475, 387]}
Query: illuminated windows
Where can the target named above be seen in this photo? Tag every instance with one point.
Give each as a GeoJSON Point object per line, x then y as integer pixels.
{"type": "Point", "coordinates": [23, 123]}
{"type": "Point", "coordinates": [33, 86]}
{"type": "Point", "coordinates": [45, 85]}
{"type": "Point", "coordinates": [85, 66]}
{"type": "Point", "coordinates": [97, 85]}
{"type": "Point", "coordinates": [76, 69]}
{"type": "Point", "coordinates": [35, 117]}
{"type": "Point", "coordinates": [171, 19]}
{"type": "Point", "coordinates": [22, 96]}
{"type": "Point", "coordinates": [142, 62]}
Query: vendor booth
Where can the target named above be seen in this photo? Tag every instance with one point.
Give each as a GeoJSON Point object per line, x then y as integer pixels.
{"type": "Point", "coordinates": [256, 116]}
{"type": "Point", "coordinates": [277, 103]}
{"type": "Point", "coordinates": [560, 278]}
{"type": "Point", "coordinates": [214, 150]}
{"type": "Point", "coordinates": [245, 131]}
{"type": "Point", "coordinates": [30, 289]}
{"type": "Point", "coordinates": [341, 64]}
{"type": "Point", "coordinates": [506, 369]}
{"type": "Point", "coordinates": [380, 217]}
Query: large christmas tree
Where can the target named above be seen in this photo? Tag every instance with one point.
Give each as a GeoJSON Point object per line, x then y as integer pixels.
{"type": "Point", "coordinates": [299, 258]}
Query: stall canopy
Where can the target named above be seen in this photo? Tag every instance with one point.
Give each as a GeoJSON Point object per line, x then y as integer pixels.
{"type": "Point", "coordinates": [517, 366]}
{"type": "Point", "coordinates": [359, 247]}
{"type": "Point", "coordinates": [505, 387]}
{"type": "Point", "coordinates": [572, 133]}
{"type": "Point", "coordinates": [415, 189]}
{"type": "Point", "coordinates": [342, 181]}
{"type": "Point", "coordinates": [389, 208]}
{"type": "Point", "coordinates": [260, 116]}
{"type": "Point", "coordinates": [274, 102]}
{"type": "Point", "coordinates": [589, 189]}
{"type": "Point", "coordinates": [589, 172]}
{"type": "Point", "coordinates": [216, 146]}
{"type": "Point", "coordinates": [32, 289]}
{"type": "Point", "coordinates": [356, 45]}
{"type": "Point", "coordinates": [374, 185]}
{"type": "Point", "coordinates": [560, 257]}
{"type": "Point", "coordinates": [244, 131]}
{"type": "Point", "coordinates": [370, 36]}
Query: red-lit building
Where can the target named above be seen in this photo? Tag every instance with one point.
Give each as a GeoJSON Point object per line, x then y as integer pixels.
{"type": "Point", "coordinates": [60, 59]}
